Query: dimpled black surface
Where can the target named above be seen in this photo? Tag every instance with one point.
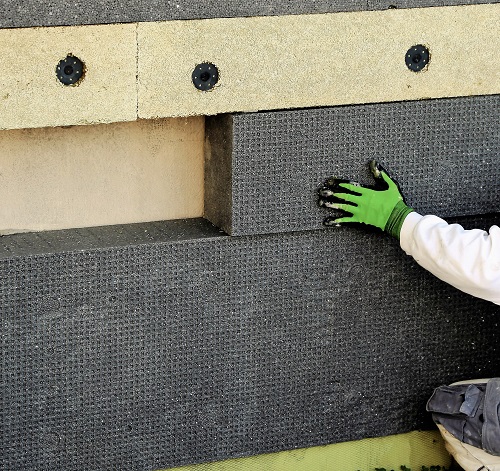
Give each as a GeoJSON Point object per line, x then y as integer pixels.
{"type": "Point", "coordinates": [29, 13]}
{"type": "Point", "coordinates": [171, 343]}
{"type": "Point", "coordinates": [445, 154]}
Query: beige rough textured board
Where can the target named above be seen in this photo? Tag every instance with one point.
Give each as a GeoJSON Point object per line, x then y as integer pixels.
{"type": "Point", "coordinates": [82, 176]}
{"type": "Point", "coordinates": [32, 96]}
{"type": "Point", "coordinates": [317, 60]}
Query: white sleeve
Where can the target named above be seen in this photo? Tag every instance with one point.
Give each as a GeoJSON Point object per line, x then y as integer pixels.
{"type": "Point", "coordinates": [466, 259]}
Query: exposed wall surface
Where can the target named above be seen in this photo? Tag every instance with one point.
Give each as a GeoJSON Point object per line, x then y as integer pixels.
{"type": "Point", "coordinates": [169, 344]}
{"type": "Point", "coordinates": [263, 169]}
{"type": "Point", "coordinates": [56, 178]}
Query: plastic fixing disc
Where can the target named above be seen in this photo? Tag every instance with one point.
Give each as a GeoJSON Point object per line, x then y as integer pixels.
{"type": "Point", "coordinates": [417, 58]}
{"type": "Point", "coordinates": [205, 76]}
{"type": "Point", "coordinates": [70, 70]}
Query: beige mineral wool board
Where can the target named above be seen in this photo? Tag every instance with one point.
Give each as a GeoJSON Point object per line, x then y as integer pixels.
{"type": "Point", "coordinates": [317, 60]}
{"type": "Point", "coordinates": [82, 176]}
{"type": "Point", "coordinates": [32, 96]}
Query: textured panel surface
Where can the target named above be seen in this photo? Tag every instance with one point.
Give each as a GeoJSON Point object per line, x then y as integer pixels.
{"type": "Point", "coordinates": [184, 345]}
{"type": "Point", "coordinates": [317, 60]}
{"type": "Point", "coordinates": [26, 13]}
{"type": "Point", "coordinates": [57, 178]}
{"type": "Point", "coordinates": [32, 96]}
{"type": "Point", "coordinates": [445, 154]}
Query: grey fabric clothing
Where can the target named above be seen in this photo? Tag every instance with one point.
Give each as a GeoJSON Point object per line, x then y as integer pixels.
{"type": "Point", "coordinates": [470, 412]}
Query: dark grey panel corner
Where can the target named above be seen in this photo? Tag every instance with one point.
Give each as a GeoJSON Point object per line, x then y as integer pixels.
{"type": "Point", "coordinates": [445, 154]}
{"type": "Point", "coordinates": [106, 237]}
{"type": "Point", "coordinates": [179, 350]}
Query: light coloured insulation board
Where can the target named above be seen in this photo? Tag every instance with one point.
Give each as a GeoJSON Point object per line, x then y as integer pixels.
{"type": "Point", "coordinates": [317, 60]}
{"type": "Point", "coordinates": [32, 96]}
{"type": "Point", "coordinates": [144, 70]}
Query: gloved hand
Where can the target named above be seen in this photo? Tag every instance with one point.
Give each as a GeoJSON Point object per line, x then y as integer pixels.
{"type": "Point", "coordinates": [381, 206]}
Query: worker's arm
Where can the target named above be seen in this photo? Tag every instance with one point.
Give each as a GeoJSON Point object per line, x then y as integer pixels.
{"type": "Point", "coordinates": [466, 259]}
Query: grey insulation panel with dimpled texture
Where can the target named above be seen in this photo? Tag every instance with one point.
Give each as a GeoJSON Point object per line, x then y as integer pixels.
{"type": "Point", "coordinates": [445, 155]}
{"type": "Point", "coordinates": [155, 345]}
{"type": "Point", "coordinates": [30, 13]}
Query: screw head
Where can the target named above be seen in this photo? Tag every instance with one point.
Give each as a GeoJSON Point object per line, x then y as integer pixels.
{"type": "Point", "coordinates": [70, 70]}
{"type": "Point", "coordinates": [205, 76]}
{"type": "Point", "coordinates": [417, 58]}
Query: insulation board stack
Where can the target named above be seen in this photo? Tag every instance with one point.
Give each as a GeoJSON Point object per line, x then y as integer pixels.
{"type": "Point", "coordinates": [162, 344]}
{"type": "Point", "coordinates": [150, 346]}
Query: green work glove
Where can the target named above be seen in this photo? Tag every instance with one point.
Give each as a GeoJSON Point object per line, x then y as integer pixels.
{"type": "Point", "coordinates": [381, 206]}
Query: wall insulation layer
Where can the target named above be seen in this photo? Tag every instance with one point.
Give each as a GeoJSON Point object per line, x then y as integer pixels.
{"type": "Point", "coordinates": [148, 346]}
{"type": "Point", "coordinates": [32, 96]}
{"type": "Point", "coordinates": [263, 169]}
{"type": "Point", "coordinates": [144, 70]}
{"type": "Point", "coordinates": [26, 13]}
{"type": "Point", "coordinates": [317, 60]}
{"type": "Point", "coordinates": [155, 345]}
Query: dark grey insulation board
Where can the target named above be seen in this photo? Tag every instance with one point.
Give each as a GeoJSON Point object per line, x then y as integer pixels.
{"type": "Point", "coordinates": [263, 169]}
{"type": "Point", "coordinates": [29, 13]}
{"type": "Point", "coordinates": [171, 343]}
{"type": "Point", "coordinates": [385, 4]}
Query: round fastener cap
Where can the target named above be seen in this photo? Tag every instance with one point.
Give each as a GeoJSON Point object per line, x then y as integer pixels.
{"type": "Point", "coordinates": [205, 76]}
{"type": "Point", "coordinates": [417, 58]}
{"type": "Point", "coordinates": [70, 70]}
